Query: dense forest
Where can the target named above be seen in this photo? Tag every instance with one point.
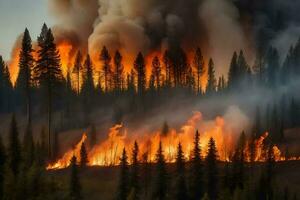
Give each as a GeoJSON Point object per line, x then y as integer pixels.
{"type": "Point", "coordinates": [266, 91]}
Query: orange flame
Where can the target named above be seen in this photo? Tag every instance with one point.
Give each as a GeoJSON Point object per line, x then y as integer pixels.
{"type": "Point", "coordinates": [65, 160]}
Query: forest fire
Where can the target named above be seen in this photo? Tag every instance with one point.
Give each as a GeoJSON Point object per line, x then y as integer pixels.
{"type": "Point", "coordinates": [108, 152]}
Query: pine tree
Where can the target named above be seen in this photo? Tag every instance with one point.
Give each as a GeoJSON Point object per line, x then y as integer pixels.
{"type": "Point", "coordinates": [167, 66]}
{"type": "Point", "coordinates": [83, 156]}
{"type": "Point", "coordinates": [2, 168]}
{"type": "Point", "coordinates": [24, 80]}
{"type": "Point", "coordinates": [273, 67]}
{"type": "Point", "coordinates": [6, 88]}
{"type": "Point", "coordinates": [47, 73]}
{"type": "Point", "coordinates": [123, 187]}
{"type": "Point", "coordinates": [74, 187]}
{"type": "Point", "coordinates": [233, 72]}
{"type": "Point", "coordinates": [156, 72]}
{"type": "Point", "coordinates": [211, 82]}
{"type": "Point", "coordinates": [28, 147]}
{"type": "Point", "coordinates": [135, 173]}
{"type": "Point", "coordinates": [140, 68]}
{"type": "Point", "coordinates": [14, 148]}
{"type": "Point", "coordinates": [77, 70]}
{"type": "Point", "coordinates": [211, 170]}
{"type": "Point", "coordinates": [88, 87]}
{"type": "Point", "coordinates": [106, 67]}
{"type": "Point", "coordinates": [119, 71]}
{"type": "Point", "coordinates": [200, 68]}
{"type": "Point", "coordinates": [181, 190]}
{"type": "Point", "coordinates": [196, 171]}
{"type": "Point", "coordinates": [160, 184]}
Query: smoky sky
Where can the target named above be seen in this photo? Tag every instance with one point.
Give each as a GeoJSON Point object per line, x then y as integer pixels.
{"type": "Point", "coordinates": [219, 27]}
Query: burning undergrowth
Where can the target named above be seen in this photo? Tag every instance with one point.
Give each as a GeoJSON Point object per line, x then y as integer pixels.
{"type": "Point", "coordinates": [225, 130]}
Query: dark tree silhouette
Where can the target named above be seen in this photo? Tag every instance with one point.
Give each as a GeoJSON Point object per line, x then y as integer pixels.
{"type": "Point", "coordinates": [160, 184]}
{"type": "Point", "coordinates": [48, 74]}
{"type": "Point", "coordinates": [106, 67]}
{"type": "Point", "coordinates": [200, 68]}
{"type": "Point", "coordinates": [196, 171]}
{"type": "Point", "coordinates": [24, 80]}
{"type": "Point", "coordinates": [139, 66]}
{"type": "Point", "coordinates": [211, 82]}
{"type": "Point", "coordinates": [75, 186]}
{"type": "Point", "coordinates": [119, 71]}
{"type": "Point", "coordinates": [83, 156]}
{"type": "Point", "coordinates": [181, 189]}
{"type": "Point", "coordinates": [77, 70]}
{"type": "Point", "coordinates": [211, 170]}
{"type": "Point", "coordinates": [135, 173]}
{"type": "Point", "coordinates": [123, 186]}
{"type": "Point", "coordinates": [156, 72]}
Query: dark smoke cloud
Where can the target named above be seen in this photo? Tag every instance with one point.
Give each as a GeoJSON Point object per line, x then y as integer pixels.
{"type": "Point", "coordinates": [218, 26]}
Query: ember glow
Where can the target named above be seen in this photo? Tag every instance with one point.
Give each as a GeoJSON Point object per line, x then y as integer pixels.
{"type": "Point", "coordinates": [108, 152]}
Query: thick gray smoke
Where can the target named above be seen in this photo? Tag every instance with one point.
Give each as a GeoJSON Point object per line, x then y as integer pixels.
{"type": "Point", "coordinates": [218, 26]}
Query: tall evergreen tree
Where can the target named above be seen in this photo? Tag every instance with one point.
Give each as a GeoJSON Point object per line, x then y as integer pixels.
{"type": "Point", "coordinates": [75, 186]}
{"type": "Point", "coordinates": [123, 186]}
{"type": "Point", "coordinates": [83, 156]}
{"type": "Point", "coordinates": [106, 67]}
{"type": "Point", "coordinates": [48, 74]}
{"type": "Point", "coordinates": [119, 71]}
{"type": "Point", "coordinates": [6, 88]}
{"type": "Point", "coordinates": [211, 170]}
{"type": "Point", "coordinates": [140, 68]}
{"type": "Point", "coordinates": [200, 68]}
{"type": "Point", "coordinates": [160, 184]}
{"type": "Point", "coordinates": [88, 87]}
{"type": "Point", "coordinates": [196, 171]}
{"type": "Point", "coordinates": [211, 82]}
{"type": "Point", "coordinates": [14, 148]}
{"type": "Point", "coordinates": [135, 173]}
{"type": "Point", "coordinates": [156, 72]}
{"type": "Point", "coordinates": [181, 189]}
{"type": "Point", "coordinates": [233, 72]}
{"type": "Point", "coordinates": [77, 70]}
{"type": "Point", "coordinates": [273, 67]}
{"type": "Point", "coordinates": [24, 80]}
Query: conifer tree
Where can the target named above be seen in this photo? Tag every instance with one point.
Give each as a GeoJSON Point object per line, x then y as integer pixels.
{"type": "Point", "coordinates": [119, 71]}
{"type": "Point", "coordinates": [48, 74]}
{"type": "Point", "coordinates": [211, 170]}
{"type": "Point", "coordinates": [156, 72]}
{"type": "Point", "coordinates": [233, 72]}
{"type": "Point", "coordinates": [140, 68]}
{"type": "Point", "coordinates": [123, 186]}
{"type": "Point", "coordinates": [106, 67]}
{"type": "Point", "coordinates": [24, 80]}
{"type": "Point", "coordinates": [135, 173]}
{"type": "Point", "coordinates": [196, 171]}
{"type": "Point", "coordinates": [77, 70]}
{"type": "Point", "coordinates": [200, 68]}
{"type": "Point", "coordinates": [160, 184]}
{"type": "Point", "coordinates": [211, 82]}
{"type": "Point", "coordinates": [83, 156]}
{"type": "Point", "coordinates": [181, 189]}
{"type": "Point", "coordinates": [6, 88]}
{"type": "Point", "coordinates": [14, 148]}
{"type": "Point", "coordinates": [88, 87]}
{"type": "Point", "coordinates": [74, 187]}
